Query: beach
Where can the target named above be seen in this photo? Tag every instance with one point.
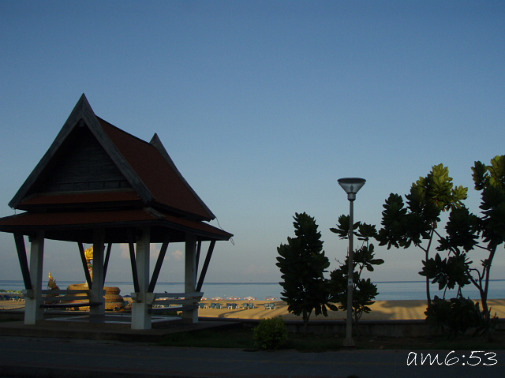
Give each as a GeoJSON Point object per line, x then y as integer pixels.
{"type": "Point", "coordinates": [381, 310]}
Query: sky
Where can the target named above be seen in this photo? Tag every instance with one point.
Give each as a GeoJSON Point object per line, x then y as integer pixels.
{"type": "Point", "coordinates": [263, 106]}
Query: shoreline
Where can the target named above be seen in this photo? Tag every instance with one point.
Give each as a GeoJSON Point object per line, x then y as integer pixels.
{"type": "Point", "coordinates": [381, 310]}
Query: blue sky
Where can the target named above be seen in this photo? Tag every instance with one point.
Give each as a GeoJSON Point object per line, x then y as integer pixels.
{"type": "Point", "coordinates": [262, 105]}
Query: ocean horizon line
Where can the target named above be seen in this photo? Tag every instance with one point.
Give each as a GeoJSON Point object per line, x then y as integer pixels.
{"type": "Point", "coordinates": [246, 283]}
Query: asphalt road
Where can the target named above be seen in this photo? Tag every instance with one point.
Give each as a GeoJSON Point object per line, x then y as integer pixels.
{"type": "Point", "coordinates": [53, 357]}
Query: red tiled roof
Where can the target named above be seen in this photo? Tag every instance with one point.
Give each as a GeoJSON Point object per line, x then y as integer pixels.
{"type": "Point", "coordinates": [165, 183]}
{"type": "Point", "coordinates": [85, 221]}
{"type": "Point", "coordinates": [41, 220]}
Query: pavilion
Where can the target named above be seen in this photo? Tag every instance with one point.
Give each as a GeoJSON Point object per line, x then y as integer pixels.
{"type": "Point", "coordinates": [100, 185]}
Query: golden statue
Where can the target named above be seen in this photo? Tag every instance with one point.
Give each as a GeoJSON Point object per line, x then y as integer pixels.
{"type": "Point", "coordinates": [52, 283]}
{"type": "Point", "coordinates": [88, 254]}
{"type": "Point", "coordinates": [113, 300]}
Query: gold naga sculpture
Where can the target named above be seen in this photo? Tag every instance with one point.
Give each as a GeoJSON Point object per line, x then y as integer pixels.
{"type": "Point", "coordinates": [88, 254]}
{"type": "Point", "coordinates": [113, 301]}
{"type": "Point", "coordinates": [53, 296]}
{"type": "Point", "coordinates": [51, 284]}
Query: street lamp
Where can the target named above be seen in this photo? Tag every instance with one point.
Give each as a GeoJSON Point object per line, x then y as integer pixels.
{"type": "Point", "coordinates": [351, 185]}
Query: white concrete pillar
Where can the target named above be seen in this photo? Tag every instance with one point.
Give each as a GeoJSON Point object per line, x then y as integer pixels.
{"type": "Point", "coordinates": [190, 275]}
{"type": "Point", "coordinates": [141, 318]}
{"type": "Point", "coordinates": [98, 274]}
{"type": "Point", "coordinates": [33, 312]}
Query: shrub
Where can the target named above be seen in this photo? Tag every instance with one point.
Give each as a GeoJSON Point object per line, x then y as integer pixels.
{"type": "Point", "coordinates": [271, 333]}
{"type": "Point", "coordinates": [457, 315]}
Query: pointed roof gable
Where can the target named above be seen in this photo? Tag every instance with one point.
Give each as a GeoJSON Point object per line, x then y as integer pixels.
{"type": "Point", "coordinates": [136, 170]}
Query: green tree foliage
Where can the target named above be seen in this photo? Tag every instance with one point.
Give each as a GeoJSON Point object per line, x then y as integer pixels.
{"type": "Point", "coordinates": [448, 272]}
{"type": "Point", "coordinates": [364, 291]}
{"type": "Point", "coordinates": [416, 221]}
{"type": "Point", "coordinates": [466, 232]}
{"type": "Point", "coordinates": [302, 263]}
{"type": "Point", "coordinates": [417, 224]}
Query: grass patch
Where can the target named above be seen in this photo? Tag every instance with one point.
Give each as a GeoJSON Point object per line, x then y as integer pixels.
{"type": "Point", "coordinates": [226, 337]}
{"type": "Point", "coordinates": [242, 338]}
{"type": "Point", "coordinates": [313, 342]}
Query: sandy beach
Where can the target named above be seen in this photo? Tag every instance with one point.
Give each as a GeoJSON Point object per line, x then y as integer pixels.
{"type": "Point", "coordinates": [381, 310]}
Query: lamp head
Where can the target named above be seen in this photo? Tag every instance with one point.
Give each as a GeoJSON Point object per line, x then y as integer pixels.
{"type": "Point", "coordinates": [351, 185]}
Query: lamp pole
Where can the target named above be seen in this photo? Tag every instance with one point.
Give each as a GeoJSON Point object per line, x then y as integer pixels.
{"type": "Point", "coordinates": [351, 186]}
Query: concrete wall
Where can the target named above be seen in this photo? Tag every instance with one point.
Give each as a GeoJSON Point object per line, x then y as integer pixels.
{"type": "Point", "coordinates": [390, 328]}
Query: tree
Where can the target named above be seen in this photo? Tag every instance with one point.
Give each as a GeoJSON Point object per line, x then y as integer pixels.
{"type": "Point", "coordinates": [303, 263]}
{"type": "Point", "coordinates": [417, 222]}
{"type": "Point", "coordinates": [466, 231]}
{"type": "Point", "coordinates": [364, 291]}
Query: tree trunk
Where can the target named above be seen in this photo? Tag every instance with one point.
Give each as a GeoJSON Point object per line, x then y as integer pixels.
{"type": "Point", "coordinates": [428, 295]}
{"type": "Point", "coordinates": [306, 316]}
{"type": "Point", "coordinates": [484, 293]}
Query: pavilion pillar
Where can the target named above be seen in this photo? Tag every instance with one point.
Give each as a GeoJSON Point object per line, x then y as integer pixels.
{"type": "Point", "coordinates": [141, 318]}
{"type": "Point", "coordinates": [33, 311]}
{"type": "Point", "coordinates": [98, 275]}
{"type": "Point", "coordinates": [190, 275]}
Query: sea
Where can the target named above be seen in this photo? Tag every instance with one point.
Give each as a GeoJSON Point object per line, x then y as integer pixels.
{"type": "Point", "coordinates": [388, 290]}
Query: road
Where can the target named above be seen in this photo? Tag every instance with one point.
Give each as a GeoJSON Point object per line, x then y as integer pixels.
{"type": "Point", "coordinates": [58, 357]}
